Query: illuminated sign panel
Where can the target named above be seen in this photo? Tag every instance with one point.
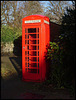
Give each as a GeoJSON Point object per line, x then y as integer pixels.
{"type": "Point", "coordinates": [36, 21]}
{"type": "Point", "coordinates": [33, 21]}
{"type": "Point", "coordinates": [46, 22]}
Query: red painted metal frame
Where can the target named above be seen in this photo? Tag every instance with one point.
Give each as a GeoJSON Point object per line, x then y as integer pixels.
{"type": "Point", "coordinates": [44, 38]}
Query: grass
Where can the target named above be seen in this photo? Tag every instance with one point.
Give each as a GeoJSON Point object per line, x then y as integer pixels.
{"type": "Point", "coordinates": [7, 72]}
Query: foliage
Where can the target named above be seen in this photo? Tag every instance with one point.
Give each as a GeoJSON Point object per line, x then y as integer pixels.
{"type": "Point", "coordinates": [8, 34]}
{"type": "Point", "coordinates": [62, 53]}
{"type": "Point", "coordinates": [55, 54]}
{"type": "Point", "coordinates": [12, 13]}
{"type": "Point", "coordinates": [68, 32]}
{"type": "Point", "coordinates": [72, 90]}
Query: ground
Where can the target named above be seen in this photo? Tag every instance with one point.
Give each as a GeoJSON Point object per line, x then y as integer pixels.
{"type": "Point", "coordinates": [12, 86]}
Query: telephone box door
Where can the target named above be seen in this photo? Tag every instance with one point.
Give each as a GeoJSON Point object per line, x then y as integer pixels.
{"type": "Point", "coordinates": [31, 52]}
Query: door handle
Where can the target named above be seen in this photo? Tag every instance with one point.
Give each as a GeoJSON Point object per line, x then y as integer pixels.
{"type": "Point", "coordinates": [23, 47]}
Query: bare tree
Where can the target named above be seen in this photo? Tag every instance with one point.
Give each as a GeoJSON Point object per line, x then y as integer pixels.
{"type": "Point", "coordinates": [11, 15]}
{"type": "Point", "coordinates": [5, 12]}
{"type": "Point", "coordinates": [12, 12]}
{"type": "Point", "coordinates": [55, 10]}
{"type": "Point", "coordinates": [33, 7]}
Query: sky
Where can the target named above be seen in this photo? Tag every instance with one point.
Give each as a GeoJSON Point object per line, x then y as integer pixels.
{"type": "Point", "coordinates": [46, 2]}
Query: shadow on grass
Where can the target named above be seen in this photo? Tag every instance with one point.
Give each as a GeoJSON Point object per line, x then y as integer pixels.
{"type": "Point", "coordinates": [17, 63]}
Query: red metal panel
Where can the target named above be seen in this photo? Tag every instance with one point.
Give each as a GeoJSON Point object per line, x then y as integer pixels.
{"type": "Point", "coordinates": [45, 41]}
{"type": "Point", "coordinates": [33, 54]}
{"type": "Point", "coordinates": [35, 37]}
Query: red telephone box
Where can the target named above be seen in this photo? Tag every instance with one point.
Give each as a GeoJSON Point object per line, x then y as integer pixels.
{"type": "Point", "coordinates": [35, 38]}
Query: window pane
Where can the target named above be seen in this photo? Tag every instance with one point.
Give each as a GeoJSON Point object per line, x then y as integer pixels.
{"type": "Point", "coordinates": [25, 30]}
{"type": "Point", "coordinates": [32, 30]}
{"type": "Point", "coordinates": [32, 70]}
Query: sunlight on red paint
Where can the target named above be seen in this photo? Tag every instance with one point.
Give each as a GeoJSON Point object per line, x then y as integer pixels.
{"type": "Point", "coordinates": [35, 38]}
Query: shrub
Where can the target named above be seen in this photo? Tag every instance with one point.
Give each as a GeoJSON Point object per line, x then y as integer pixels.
{"type": "Point", "coordinates": [9, 34]}
{"type": "Point", "coordinates": [55, 54]}
{"type": "Point", "coordinates": [6, 34]}
{"type": "Point", "coordinates": [62, 59]}
{"type": "Point", "coordinates": [62, 53]}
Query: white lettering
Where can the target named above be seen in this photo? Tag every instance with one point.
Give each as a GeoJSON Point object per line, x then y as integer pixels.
{"type": "Point", "coordinates": [33, 21]}
{"type": "Point", "coordinates": [46, 22]}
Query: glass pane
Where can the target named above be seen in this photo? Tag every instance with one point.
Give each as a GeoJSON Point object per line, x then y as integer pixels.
{"type": "Point", "coordinates": [26, 69]}
{"type": "Point", "coordinates": [38, 47]}
{"type": "Point", "coordinates": [25, 64]}
{"type": "Point", "coordinates": [28, 52]}
{"type": "Point", "coordinates": [38, 71]}
{"type": "Point", "coordinates": [33, 64]}
{"type": "Point", "coordinates": [25, 58]}
{"type": "Point", "coordinates": [32, 41]}
{"type": "Point", "coordinates": [28, 58]}
{"type": "Point", "coordinates": [33, 53]}
{"type": "Point", "coordinates": [28, 64]}
{"type": "Point", "coordinates": [32, 70]}
{"type": "Point", "coordinates": [38, 53]}
{"type": "Point", "coordinates": [25, 52]}
{"type": "Point", "coordinates": [38, 65]}
{"type": "Point", "coordinates": [32, 30]}
{"type": "Point", "coordinates": [38, 35]}
{"type": "Point", "coordinates": [33, 47]}
{"type": "Point", "coordinates": [38, 41]}
{"type": "Point", "coordinates": [25, 36]}
{"type": "Point", "coordinates": [38, 59]}
{"type": "Point", "coordinates": [38, 30]}
{"type": "Point", "coordinates": [28, 47]}
{"type": "Point", "coordinates": [32, 36]}
{"type": "Point", "coordinates": [25, 30]}
{"type": "Point", "coordinates": [33, 58]}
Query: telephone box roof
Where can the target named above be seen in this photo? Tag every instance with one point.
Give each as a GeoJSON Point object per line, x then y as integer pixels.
{"type": "Point", "coordinates": [37, 16]}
